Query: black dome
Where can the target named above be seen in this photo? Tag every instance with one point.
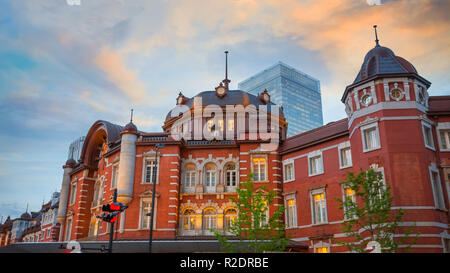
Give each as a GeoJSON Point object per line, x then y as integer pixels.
{"type": "Point", "coordinates": [381, 60]}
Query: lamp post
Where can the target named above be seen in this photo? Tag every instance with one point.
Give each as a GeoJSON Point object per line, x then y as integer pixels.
{"type": "Point", "coordinates": [158, 146]}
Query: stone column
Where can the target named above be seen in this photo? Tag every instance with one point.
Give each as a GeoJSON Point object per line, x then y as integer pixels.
{"type": "Point", "coordinates": [126, 167]}
{"type": "Point", "coordinates": [65, 187]}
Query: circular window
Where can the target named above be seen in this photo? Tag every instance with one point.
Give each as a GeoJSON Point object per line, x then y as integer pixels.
{"type": "Point", "coordinates": [396, 94]}
{"type": "Point", "coordinates": [366, 99]}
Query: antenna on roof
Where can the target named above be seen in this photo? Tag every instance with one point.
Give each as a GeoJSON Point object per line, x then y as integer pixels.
{"type": "Point", "coordinates": [131, 119]}
{"type": "Point", "coordinates": [226, 81]}
{"type": "Point", "coordinates": [27, 208]}
{"type": "Point", "coordinates": [376, 36]}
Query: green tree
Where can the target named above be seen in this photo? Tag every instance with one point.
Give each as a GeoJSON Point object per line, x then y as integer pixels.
{"type": "Point", "coordinates": [251, 223]}
{"type": "Point", "coordinates": [370, 211]}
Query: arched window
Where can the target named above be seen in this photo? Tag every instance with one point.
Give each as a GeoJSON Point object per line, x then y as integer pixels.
{"type": "Point", "coordinates": [209, 219]}
{"type": "Point", "coordinates": [230, 218]}
{"type": "Point", "coordinates": [189, 176]}
{"type": "Point", "coordinates": [189, 219]}
{"type": "Point", "coordinates": [94, 227]}
{"type": "Point", "coordinates": [231, 175]}
{"type": "Point", "coordinates": [210, 177]}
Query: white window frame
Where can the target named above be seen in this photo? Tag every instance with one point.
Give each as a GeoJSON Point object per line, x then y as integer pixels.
{"type": "Point", "coordinates": [184, 217]}
{"type": "Point", "coordinates": [288, 197]}
{"type": "Point", "coordinates": [443, 126]}
{"type": "Point", "coordinates": [226, 171]}
{"type": "Point", "coordinates": [437, 193]}
{"type": "Point", "coordinates": [68, 228]}
{"type": "Point", "coordinates": [313, 216]}
{"type": "Point", "coordinates": [206, 220]}
{"type": "Point", "coordinates": [377, 136]}
{"type": "Point", "coordinates": [141, 215]}
{"type": "Point", "coordinates": [344, 195]}
{"type": "Point", "coordinates": [146, 164]}
{"type": "Point", "coordinates": [426, 124]}
{"type": "Point", "coordinates": [343, 146]}
{"type": "Point", "coordinates": [188, 176]}
{"type": "Point", "coordinates": [73, 192]}
{"type": "Point", "coordinates": [321, 244]}
{"type": "Point", "coordinates": [114, 175]}
{"type": "Point", "coordinates": [311, 156]}
{"type": "Point", "coordinates": [266, 166]}
{"type": "Point", "coordinates": [286, 163]}
{"type": "Point", "coordinates": [209, 175]}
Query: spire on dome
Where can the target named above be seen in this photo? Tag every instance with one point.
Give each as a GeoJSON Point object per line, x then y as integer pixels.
{"type": "Point", "coordinates": [376, 36]}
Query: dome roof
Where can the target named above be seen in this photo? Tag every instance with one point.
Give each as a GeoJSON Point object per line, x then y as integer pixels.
{"type": "Point", "coordinates": [381, 60]}
{"type": "Point", "coordinates": [130, 128]}
{"type": "Point", "coordinates": [71, 162]}
{"type": "Point", "coordinates": [232, 97]}
{"type": "Point", "coordinates": [25, 215]}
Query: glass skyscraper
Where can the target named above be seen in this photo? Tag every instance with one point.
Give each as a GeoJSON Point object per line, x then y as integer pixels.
{"type": "Point", "coordinates": [298, 93]}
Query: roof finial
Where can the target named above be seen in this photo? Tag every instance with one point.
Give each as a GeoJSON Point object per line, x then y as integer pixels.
{"type": "Point", "coordinates": [27, 208]}
{"type": "Point", "coordinates": [131, 118]}
{"type": "Point", "coordinates": [376, 36]}
{"type": "Point", "coordinates": [226, 81]}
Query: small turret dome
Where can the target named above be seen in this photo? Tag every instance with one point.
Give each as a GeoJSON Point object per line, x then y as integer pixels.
{"type": "Point", "coordinates": [130, 128]}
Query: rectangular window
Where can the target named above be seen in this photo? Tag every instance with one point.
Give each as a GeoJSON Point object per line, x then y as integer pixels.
{"type": "Point", "coordinates": [231, 125]}
{"type": "Point", "coordinates": [115, 176]}
{"type": "Point", "coordinates": [48, 233]}
{"type": "Point", "coordinates": [146, 209]}
{"type": "Point", "coordinates": [220, 125]}
{"type": "Point", "coordinates": [189, 179]}
{"type": "Point", "coordinates": [150, 171]}
{"type": "Point", "coordinates": [322, 250]}
{"type": "Point", "coordinates": [437, 190]}
{"type": "Point", "coordinates": [315, 165]}
{"type": "Point", "coordinates": [259, 168]}
{"type": "Point", "coordinates": [291, 213]}
{"type": "Point", "coordinates": [349, 194]}
{"type": "Point", "coordinates": [231, 176]}
{"type": "Point", "coordinates": [319, 207]}
{"type": "Point", "coordinates": [73, 192]}
{"type": "Point", "coordinates": [444, 136]}
{"type": "Point", "coordinates": [43, 234]}
{"type": "Point", "coordinates": [427, 135]}
{"type": "Point", "coordinates": [210, 124]}
{"type": "Point", "coordinates": [68, 228]}
{"type": "Point", "coordinates": [288, 172]}
{"type": "Point", "coordinates": [370, 139]}
{"type": "Point", "coordinates": [345, 157]}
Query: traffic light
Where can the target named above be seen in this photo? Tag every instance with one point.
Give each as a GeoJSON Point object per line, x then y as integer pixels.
{"type": "Point", "coordinates": [109, 217]}
{"type": "Point", "coordinates": [114, 207]}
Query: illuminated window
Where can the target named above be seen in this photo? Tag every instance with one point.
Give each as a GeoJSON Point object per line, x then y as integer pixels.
{"type": "Point", "coordinates": [322, 250]}
{"type": "Point", "coordinates": [230, 218]}
{"type": "Point", "coordinates": [259, 168]}
{"type": "Point", "coordinates": [210, 124]}
{"type": "Point", "coordinates": [319, 207]}
{"type": "Point", "coordinates": [220, 125]}
{"type": "Point", "coordinates": [209, 219]}
{"type": "Point", "coordinates": [231, 125]}
{"type": "Point", "coordinates": [189, 219]}
{"type": "Point", "coordinates": [151, 171]}
{"type": "Point", "coordinates": [291, 213]}
{"type": "Point", "coordinates": [349, 194]}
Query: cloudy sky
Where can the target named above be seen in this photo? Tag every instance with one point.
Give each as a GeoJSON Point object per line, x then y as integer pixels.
{"type": "Point", "coordinates": [62, 67]}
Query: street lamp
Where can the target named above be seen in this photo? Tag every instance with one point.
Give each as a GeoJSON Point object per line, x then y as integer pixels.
{"type": "Point", "coordinates": [158, 146]}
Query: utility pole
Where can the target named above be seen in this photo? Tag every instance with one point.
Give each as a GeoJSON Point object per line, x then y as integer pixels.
{"type": "Point", "coordinates": [158, 146]}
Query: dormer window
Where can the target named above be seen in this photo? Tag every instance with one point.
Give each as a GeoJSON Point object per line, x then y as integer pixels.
{"type": "Point", "coordinates": [421, 95]}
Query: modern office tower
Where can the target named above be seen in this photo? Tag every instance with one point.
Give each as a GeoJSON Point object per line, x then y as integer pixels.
{"type": "Point", "coordinates": [296, 92]}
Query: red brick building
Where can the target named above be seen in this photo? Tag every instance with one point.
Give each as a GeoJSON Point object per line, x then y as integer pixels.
{"type": "Point", "coordinates": [393, 126]}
